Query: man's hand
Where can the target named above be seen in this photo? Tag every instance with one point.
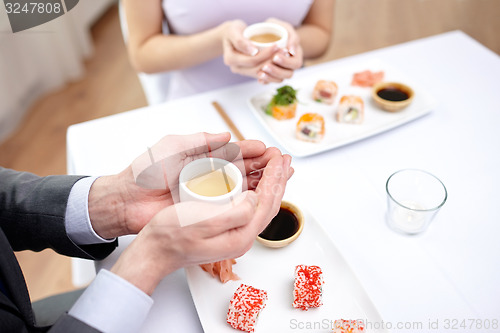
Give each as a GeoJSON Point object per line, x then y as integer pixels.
{"type": "Point", "coordinates": [225, 231]}
{"type": "Point", "coordinates": [124, 203]}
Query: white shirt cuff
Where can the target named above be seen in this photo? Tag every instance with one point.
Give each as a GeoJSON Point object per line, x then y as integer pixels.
{"type": "Point", "coordinates": [112, 304]}
{"type": "Point", "coordinates": [77, 222]}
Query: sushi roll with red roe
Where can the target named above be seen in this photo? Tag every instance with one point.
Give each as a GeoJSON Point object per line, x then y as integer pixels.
{"type": "Point", "coordinates": [308, 287]}
{"type": "Point", "coordinates": [348, 326]}
{"type": "Point", "coordinates": [245, 306]}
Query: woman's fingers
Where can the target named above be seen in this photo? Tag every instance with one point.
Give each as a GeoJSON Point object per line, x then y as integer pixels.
{"type": "Point", "coordinates": [235, 59]}
{"type": "Point", "coordinates": [234, 34]}
{"type": "Point", "coordinates": [272, 73]}
{"type": "Point", "coordinates": [286, 61]}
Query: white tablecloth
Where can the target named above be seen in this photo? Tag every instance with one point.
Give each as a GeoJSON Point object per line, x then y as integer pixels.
{"type": "Point", "coordinates": [451, 272]}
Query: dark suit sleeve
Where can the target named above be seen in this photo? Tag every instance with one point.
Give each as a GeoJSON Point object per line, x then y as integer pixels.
{"type": "Point", "coordinates": [67, 323]}
{"type": "Point", "coordinates": [32, 213]}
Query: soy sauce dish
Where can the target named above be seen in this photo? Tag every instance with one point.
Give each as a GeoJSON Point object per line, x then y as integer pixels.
{"type": "Point", "coordinates": [284, 228]}
{"type": "Point", "coordinates": [392, 96]}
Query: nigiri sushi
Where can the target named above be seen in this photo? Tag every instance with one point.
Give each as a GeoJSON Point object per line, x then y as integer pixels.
{"type": "Point", "coordinates": [350, 110]}
{"type": "Point", "coordinates": [325, 91]}
{"type": "Point", "coordinates": [310, 127]}
{"type": "Point", "coordinates": [308, 287]}
{"type": "Point", "coordinates": [283, 104]}
{"type": "Point", "coordinates": [245, 306]}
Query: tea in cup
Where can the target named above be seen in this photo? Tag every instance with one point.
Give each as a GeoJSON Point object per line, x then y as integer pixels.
{"type": "Point", "coordinates": [210, 180]}
{"type": "Point", "coordinates": [266, 34]}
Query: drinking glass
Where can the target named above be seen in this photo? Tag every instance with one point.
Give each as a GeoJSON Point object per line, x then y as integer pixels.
{"type": "Point", "coordinates": [413, 199]}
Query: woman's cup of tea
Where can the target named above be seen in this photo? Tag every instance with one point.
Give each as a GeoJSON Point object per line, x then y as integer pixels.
{"type": "Point", "coordinates": [211, 180]}
{"type": "Point", "coordinates": [266, 34]}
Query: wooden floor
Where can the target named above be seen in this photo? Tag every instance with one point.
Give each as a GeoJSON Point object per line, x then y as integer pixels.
{"type": "Point", "coordinates": [110, 86]}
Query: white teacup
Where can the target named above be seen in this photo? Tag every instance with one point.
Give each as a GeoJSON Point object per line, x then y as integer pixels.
{"type": "Point", "coordinates": [264, 29]}
{"type": "Point", "coordinates": [204, 166]}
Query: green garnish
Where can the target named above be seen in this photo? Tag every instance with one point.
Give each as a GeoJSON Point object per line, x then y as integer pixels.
{"type": "Point", "coordinates": [285, 95]}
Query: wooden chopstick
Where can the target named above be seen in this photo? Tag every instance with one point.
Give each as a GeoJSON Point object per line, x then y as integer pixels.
{"type": "Point", "coordinates": [228, 121]}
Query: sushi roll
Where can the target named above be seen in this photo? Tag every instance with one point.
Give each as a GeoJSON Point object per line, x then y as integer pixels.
{"type": "Point", "coordinates": [325, 91]}
{"type": "Point", "coordinates": [308, 287]}
{"type": "Point", "coordinates": [348, 326]}
{"type": "Point", "coordinates": [283, 104]}
{"type": "Point", "coordinates": [245, 306]}
{"type": "Point", "coordinates": [351, 110]}
{"type": "Point", "coordinates": [310, 127]}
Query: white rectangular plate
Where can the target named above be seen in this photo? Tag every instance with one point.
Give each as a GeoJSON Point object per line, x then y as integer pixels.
{"type": "Point", "coordinates": [337, 134]}
{"type": "Point", "coordinates": [273, 271]}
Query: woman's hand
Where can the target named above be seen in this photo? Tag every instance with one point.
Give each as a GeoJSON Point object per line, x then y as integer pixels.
{"type": "Point", "coordinates": [267, 65]}
{"type": "Point", "coordinates": [285, 61]}
{"type": "Point", "coordinates": [240, 55]}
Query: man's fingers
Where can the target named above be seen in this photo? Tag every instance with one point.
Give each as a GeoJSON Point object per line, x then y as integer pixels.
{"type": "Point", "coordinates": [249, 165]}
{"type": "Point", "coordinates": [251, 181]}
{"type": "Point", "coordinates": [271, 189]}
{"type": "Point", "coordinates": [241, 149]}
{"type": "Point", "coordinates": [217, 219]}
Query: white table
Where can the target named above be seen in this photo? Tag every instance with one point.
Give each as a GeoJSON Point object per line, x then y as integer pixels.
{"type": "Point", "coordinates": [450, 272]}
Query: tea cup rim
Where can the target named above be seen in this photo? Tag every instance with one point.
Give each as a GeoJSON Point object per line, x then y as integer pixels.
{"type": "Point", "coordinates": [183, 181]}
{"type": "Point", "coordinates": [271, 27]}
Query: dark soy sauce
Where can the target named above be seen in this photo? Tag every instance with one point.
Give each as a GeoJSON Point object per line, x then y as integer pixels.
{"type": "Point", "coordinates": [282, 226]}
{"type": "Point", "coordinates": [393, 94]}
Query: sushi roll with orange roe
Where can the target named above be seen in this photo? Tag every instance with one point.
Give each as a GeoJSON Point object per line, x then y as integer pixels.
{"type": "Point", "coordinates": [351, 110]}
{"type": "Point", "coordinates": [310, 127]}
{"type": "Point", "coordinates": [325, 91]}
